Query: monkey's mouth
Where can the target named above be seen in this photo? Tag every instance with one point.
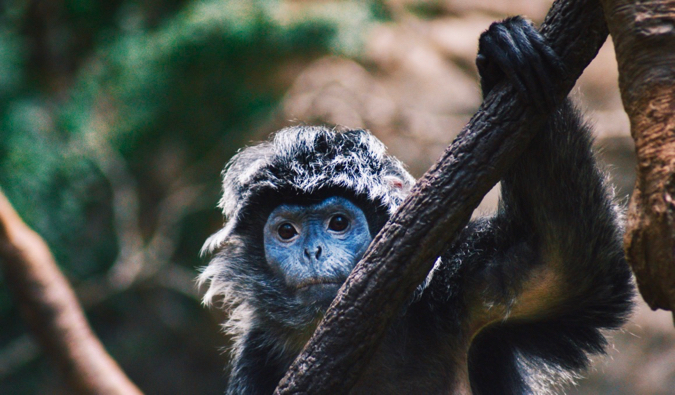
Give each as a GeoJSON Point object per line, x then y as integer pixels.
{"type": "Point", "coordinates": [318, 292]}
{"type": "Point", "coordinates": [318, 281]}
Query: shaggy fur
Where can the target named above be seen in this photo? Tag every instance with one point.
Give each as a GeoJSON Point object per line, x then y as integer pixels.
{"type": "Point", "coordinates": [305, 159]}
{"type": "Point", "coordinates": [516, 304]}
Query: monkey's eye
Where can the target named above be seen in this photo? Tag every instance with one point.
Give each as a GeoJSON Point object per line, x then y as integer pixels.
{"type": "Point", "coordinates": [287, 231]}
{"type": "Point", "coordinates": [338, 223]}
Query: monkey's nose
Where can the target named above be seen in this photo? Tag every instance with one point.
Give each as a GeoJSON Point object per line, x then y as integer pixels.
{"type": "Point", "coordinates": [317, 253]}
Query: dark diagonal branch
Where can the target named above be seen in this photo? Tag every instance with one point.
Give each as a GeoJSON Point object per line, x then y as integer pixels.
{"type": "Point", "coordinates": [50, 308]}
{"type": "Point", "coordinates": [440, 205]}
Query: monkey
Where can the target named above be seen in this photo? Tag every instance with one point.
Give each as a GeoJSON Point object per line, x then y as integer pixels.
{"type": "Point", "coordinates": [515, 304]}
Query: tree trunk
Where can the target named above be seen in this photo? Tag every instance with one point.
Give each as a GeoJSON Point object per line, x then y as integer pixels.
{"type": "Point", "coordinates": [51, 310]}
{"type": "Point", "coordinates": [644, 37]}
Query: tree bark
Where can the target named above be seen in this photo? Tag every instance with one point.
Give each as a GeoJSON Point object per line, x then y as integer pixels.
{"type": "Point", "coordinates": [644, 38]}
{"type": "Point", "coordinates": [52, 312]}
{"type": "Point", "coordinates": [439, 206]}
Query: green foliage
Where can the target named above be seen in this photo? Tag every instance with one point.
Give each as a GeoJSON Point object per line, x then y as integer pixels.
{"type": "Point", "coordinates": [171, 89]}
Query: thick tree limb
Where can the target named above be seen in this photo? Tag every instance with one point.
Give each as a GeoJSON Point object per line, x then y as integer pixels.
{"type": "Point", "coordinates": [644, 38]}
{"type": "Point", "coordinates": [51, 310]}
{"type": "Point", "coordinates": [440, 205]}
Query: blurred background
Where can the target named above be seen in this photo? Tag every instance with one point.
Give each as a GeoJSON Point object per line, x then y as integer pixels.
{"type": "Point", "coordinates": [117, 117]}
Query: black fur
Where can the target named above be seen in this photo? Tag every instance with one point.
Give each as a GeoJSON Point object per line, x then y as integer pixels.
{"type": "Point", "coordinates": [517, 303]}
{"type": "Point", "coordinates": [307, 160]}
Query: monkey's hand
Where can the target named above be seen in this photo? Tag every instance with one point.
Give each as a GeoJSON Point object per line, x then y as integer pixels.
{"type": "Point", "coordinates": [514, 49]}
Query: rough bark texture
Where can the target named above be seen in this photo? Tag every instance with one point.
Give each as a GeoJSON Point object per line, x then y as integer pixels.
{"type": "Point", "coordinates": [440, 205]}
{"type": "Point", "coordinates": [644, 37]}
{"type": "Point", "coordinates": [51, 310]}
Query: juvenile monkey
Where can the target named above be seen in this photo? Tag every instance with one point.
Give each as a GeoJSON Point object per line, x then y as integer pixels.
{"type": "Point", "coordinates": [516, 303]}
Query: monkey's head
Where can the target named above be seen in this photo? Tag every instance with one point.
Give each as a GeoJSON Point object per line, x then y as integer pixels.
{"type": "Point", "coordinates": [301, 210]}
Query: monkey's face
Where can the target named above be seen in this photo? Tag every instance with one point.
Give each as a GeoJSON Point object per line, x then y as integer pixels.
{"type": "Point", "coordinates": [313, 248]}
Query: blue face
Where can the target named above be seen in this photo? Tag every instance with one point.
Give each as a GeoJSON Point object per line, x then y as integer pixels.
{"type": "Point", "coordinates": [314, 248]}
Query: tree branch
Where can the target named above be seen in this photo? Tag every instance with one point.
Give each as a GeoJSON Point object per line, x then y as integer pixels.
{"type": "Point", "coordinates": [439, 206]}
{"type": "Point", "coordinates": [642, 33]}
{"type": "Point", "coordinates": [50, 308]}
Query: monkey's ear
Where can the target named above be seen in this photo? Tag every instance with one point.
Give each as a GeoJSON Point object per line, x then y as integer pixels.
{"type": "Point", "coordinates": [398, 189]}
{"type": "Point", "coordinates": [395, 182]}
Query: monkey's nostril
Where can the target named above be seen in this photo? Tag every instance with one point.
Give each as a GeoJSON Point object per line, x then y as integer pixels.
{"type": "Point", "coordinates": [318, 252]}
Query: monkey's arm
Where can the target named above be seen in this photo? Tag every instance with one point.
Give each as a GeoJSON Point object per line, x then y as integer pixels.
{"type": "Point", "coordinates": [557, 239]}
{"type": "Point", "coordinates": [536, 283]}
{"type": "Point", "coordinates": [556, 248]}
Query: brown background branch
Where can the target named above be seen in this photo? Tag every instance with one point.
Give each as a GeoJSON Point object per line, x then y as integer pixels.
{"type": "Point", "coordinates": [440, 205]}
{"type": "Point", "coordinates": [644, 39]}
{"type": "Point", "coordinates": [51, 310]}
